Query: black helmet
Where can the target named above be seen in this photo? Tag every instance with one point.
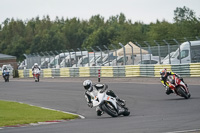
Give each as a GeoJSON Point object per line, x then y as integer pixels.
{"type": "Point", "coordinates": [88, 85]}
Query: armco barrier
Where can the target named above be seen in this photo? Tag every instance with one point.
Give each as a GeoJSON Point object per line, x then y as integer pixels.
{"type": "Point", "coordinates": [94, 71]}
{"type": "Point", "coordinates": [107, 71]}
{"type": "Point", "coordinates": [55, 72]}
{"type": "Point", "coordinates": [119, 71]}
{"type": "Point", "coordinates": [132, 71]}
{"type": "Point", "coordinates": [195, 70]}
{"type": "Point", "coordinates": [74, 71]}
{"type": "Point", "coordinates": [147, 70]}
{"type": "Point", "coordinates": [64, 72]}
{"type": "Point", "coordinates": [21, 73]}
{"type": "Point", "coordinates": [47, 73]}
{"type": "Point", "coordinates": [30, 73]}
{"type": "Point", "coordinates": [185, 70]}
{"type": "Point", "coordinates": [84, 71]}
{"type": "Point", "coordinates": [26, 73]}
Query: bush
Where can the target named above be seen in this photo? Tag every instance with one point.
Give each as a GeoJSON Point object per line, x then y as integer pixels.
{"type": "Point", "coordinates": [15, 74]}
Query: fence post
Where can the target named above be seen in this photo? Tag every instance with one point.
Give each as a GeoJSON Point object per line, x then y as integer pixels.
{"type": "Point", "coordinates": [94, 55]}
{"type": "Point", "coordinates": [132, 52]}
{"type": "Point", "coordinates": [168, 50]}
{"type": "Point", "coordinates": [190, 49]}
{"type": "Point", "coordinates": [81, 55]}
{"type": "Point", "coordinates": [179, 49]}
{"type": "Point", "coordinates": [75, 57]}
{"type": "Point", "coordinates": [124, 53]}
{"type": "Point", "coordinates": [158, 51]}
{"type": "Point", "coordinates": [149, 49]}
{"type": "Point", "coordinates": [108, 54]}
{"type": "Point", "coordinates": [115, 52]}
{"type": "Point", "coordinates": [140, 50]}
{"type": "Point", "coordinates": [88, 56]}
{"type": "Point", "coordinates": [53, 57]}
{"type": "Point", "coordinates": [101, 53]}
{"type": "Point", "coordinates": [70, 63]}
{"type": "Point", "coordinates": [64, 56]}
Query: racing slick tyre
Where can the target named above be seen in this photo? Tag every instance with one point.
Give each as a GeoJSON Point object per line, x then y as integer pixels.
{"type": "Point", "coordinates": [109, 109]}
{"type": "Point", "coordinates": [126, 112]}
{"type": "Point", "coordinates": [182, 92]}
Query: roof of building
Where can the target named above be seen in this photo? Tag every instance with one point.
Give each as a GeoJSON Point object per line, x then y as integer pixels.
{"type": "Point", "coordinates": [4, 56]}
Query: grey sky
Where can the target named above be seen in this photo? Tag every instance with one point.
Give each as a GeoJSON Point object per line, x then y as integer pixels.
{"type": "Point", "coordinates": [137, 10]}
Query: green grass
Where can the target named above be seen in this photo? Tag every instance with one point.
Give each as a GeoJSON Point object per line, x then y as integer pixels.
{"type": "Point", "coordinates": [13, 113]}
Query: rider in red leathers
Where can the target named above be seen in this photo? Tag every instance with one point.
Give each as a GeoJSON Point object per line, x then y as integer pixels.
{"type": "Point", "coordinates": [164, 74]}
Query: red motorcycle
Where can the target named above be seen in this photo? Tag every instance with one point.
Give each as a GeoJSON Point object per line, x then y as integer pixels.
{"type": "Point", "coordinates": [178, 86]}
{"type": "Point", "coordinates": [36, 75]}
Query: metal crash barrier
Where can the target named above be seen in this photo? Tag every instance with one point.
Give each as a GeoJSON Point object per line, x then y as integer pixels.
{"type": "Point", "coordinates": [185, 70]}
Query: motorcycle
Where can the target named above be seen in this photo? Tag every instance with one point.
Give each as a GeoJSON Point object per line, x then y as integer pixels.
{"type": "Point", "coordinates": [36, 75]}
{"type": "Point", "coordinates": [109, 104]}
{"type": "Point", "coordinates": [178, 86]}
{"type": "Point", "coordinates": [6, 75]}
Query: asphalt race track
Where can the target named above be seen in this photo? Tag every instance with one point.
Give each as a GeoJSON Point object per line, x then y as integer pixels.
{"type": "Point", "coordinates": [152, 111]}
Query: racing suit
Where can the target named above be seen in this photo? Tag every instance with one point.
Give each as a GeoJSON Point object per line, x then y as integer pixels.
{"type": "Point", "coordinates": [103, 87]}
{"type": "Point", "coordinates": [4, 73]}
{"type": "Point", "coordinates": [165, 84]}
{"type": "Point", "coordinates": [35, 67]}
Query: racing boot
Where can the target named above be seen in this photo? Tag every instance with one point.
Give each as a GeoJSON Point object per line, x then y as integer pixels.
{"type": "Point", "coordinates": [99, 111]}
{"type": "Point", "coordinates": [168, 90]}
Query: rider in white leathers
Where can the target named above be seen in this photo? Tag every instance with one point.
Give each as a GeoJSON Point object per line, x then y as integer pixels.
{"type": "Point", "coordinates": [35, 66]}
{"type": "Point", "coordinates": [92, 90]}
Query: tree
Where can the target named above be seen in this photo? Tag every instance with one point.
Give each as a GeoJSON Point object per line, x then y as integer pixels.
{"type": "Point", "coordinates": [184, 14]}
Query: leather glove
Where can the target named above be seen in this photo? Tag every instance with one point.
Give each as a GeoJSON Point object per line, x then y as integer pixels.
{"type": "Point", "coordinates": [90, 105]}
{"type": "Point", "coordinates": [165, 85]}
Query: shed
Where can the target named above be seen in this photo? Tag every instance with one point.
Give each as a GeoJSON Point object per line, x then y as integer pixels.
{"type": "Point", "coordinates": [8, 59]}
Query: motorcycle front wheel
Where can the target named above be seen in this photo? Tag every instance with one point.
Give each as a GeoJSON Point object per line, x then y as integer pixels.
{"type": "Point", "coordinates": [182, 92]}
{"type": "Point", "coordinates": [126, 112]}
{"type": "Point", "coordinates": [109, 109]}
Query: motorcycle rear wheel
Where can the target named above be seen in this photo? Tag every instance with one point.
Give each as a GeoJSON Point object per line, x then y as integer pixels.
{"type": "Point", "coordinates": [110, 109]}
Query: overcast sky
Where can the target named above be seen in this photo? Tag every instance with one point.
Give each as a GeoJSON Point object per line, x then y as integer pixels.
{"type": "Point", "coordinates": [136, 10]}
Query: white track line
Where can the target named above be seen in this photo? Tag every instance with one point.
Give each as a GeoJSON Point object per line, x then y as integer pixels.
{"type": "Point", "coordinates": [185, 131]}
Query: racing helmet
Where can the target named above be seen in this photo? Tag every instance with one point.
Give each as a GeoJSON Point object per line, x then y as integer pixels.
{"type": "Point", "coordinates": [5, 68]}
{"type": "Point", "coordinates": [35, 64]}
{"type": "Point", "coordinates": [163, 72]}
{"type": "Point", "coordinates": [88, 85]}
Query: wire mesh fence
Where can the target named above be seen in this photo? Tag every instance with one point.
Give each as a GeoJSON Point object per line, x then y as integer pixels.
{"type": "Point", "coordinates": [133, 53]}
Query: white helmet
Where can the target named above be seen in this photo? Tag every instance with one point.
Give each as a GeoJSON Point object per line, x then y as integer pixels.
{"type": "Point", "coordinates": [88, 85]}
{"type": "Point", "coordinates": [35, 64]}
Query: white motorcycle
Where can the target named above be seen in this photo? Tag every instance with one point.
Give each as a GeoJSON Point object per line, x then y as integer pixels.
{"type": "Point", "coordinates": [109, 104]}
{"type": "Point", "coordinates": [36, 75]}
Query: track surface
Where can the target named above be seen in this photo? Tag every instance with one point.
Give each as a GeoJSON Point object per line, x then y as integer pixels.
{"type": "Point", "coordinates": [152, 111]}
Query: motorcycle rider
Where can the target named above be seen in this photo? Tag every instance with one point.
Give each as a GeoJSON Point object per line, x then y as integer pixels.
{"type": "Point", "coordinates": [35, 66]}
{"type": "Point", "coordinates": [91, 92]}
{"type": "Point", "coordinates": [4, 72]}
{"type": "Point", "coordinates": [164, 74]}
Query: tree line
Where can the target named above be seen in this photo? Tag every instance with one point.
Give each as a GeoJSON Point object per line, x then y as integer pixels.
{"type": "Point", "coordinates": [37, 35]}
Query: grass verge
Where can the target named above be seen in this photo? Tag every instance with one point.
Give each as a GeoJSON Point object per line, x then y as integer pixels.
{"type": "Point", "coordinates": [13, 113]}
